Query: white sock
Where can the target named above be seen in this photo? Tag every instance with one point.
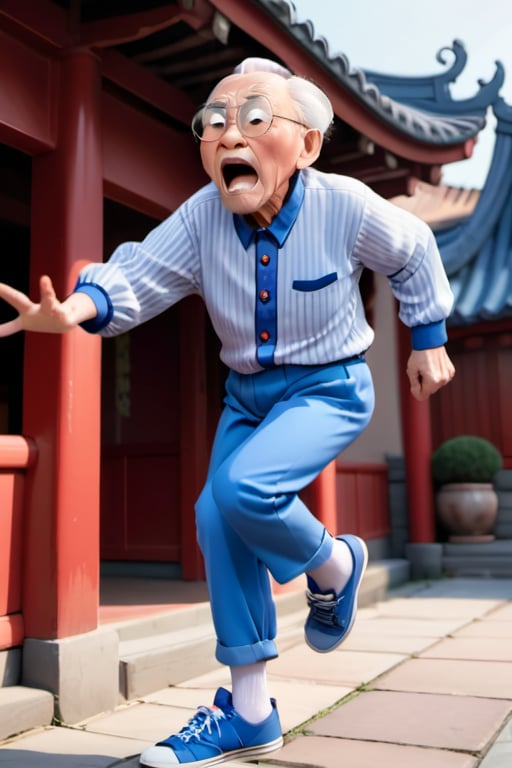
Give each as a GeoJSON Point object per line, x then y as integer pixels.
{"type": "Point", "coordinates": [336, 571]}
{"type": "Point", "coordinates": [250, 693]}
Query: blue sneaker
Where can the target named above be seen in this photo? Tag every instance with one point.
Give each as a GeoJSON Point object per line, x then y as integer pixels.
{"type": "Point", "coordinates": [332, 616]}
{"type": "Point", "coordinates": [216, 734]}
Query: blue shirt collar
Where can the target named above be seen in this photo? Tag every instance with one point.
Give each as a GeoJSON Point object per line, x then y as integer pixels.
{"type": "Point", "coordinates": [281, 224]}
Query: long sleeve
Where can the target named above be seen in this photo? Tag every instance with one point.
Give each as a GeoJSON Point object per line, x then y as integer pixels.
{"type": "Point", "coordinates": [140, 280]}
{"type": "Point", "coordinates": [398, 244]}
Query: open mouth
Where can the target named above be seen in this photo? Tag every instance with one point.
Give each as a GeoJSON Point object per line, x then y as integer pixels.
{"type": "Point", "coordinates": [239, 176]}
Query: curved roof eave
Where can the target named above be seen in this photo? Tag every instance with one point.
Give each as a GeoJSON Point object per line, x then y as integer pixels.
{"type": "Point", "coordinates": [428, 126]}
{"type": "Point", "coordinates": [476, 253]}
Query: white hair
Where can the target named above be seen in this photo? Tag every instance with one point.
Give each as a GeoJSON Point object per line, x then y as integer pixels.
{"type": "Point", "coordinates": [314, 106]}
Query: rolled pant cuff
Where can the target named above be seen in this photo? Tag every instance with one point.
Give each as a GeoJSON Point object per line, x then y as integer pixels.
{"type": "Point", "coordinates": [264, 650]}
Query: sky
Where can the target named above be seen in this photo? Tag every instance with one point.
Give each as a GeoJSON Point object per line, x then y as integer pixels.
{"type": "Point", "coordinates": [403, 37]}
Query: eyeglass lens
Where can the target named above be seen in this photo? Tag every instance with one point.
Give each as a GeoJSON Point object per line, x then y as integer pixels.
{"type": "Point", "coordinates": [253, 118]}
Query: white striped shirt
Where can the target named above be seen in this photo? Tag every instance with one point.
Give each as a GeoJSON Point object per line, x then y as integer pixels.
{"type": "Point", "coordinates": [305, 298]}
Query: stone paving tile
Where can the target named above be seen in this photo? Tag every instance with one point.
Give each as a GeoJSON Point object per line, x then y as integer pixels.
{"type": "Point", "coordinates": [450, 722]}
{"type": "Point", "coordinates": [67, 748]}
{"type": "Point", "coordinates": [144, 721]}
{"type": "Point", "coordinates": [341, 668]}
{"type": "Point", "coordinates": [468, 678]}
{"type": "Point", "coordinates": [182, 695]}
{"type": "Point", "coordinates": [502, 614]}
{"type": "Point", "coordinates": [500, 755]}
{"type": "Point", "coordinates": [478, 588]}
{"type": "Point", "coordinates": [486, 628]}
{"type": "Point", "coordinates": [395, 643]}
{"type": "Point", "coordinates": [319, 752]}
{"type": "Point", "coordinates": [370, 612]}
{"type": "Point", "coordinates": [297, 702]}
{"type": "Point", "coordinates": [476, 648]}
{"type": "Point", "coordinates": [405, 627]}
{"type": "Point", "coordinates": [210, 680]}
{"type": "Point", "coordinates": [439, 607]}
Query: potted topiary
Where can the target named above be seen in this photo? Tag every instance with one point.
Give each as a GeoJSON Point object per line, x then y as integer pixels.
{"type": "Point", "coordinates": [463, 470]}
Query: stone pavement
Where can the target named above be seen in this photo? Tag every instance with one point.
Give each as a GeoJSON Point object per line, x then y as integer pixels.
{"type": "Point", "coordinates": [424, 680]}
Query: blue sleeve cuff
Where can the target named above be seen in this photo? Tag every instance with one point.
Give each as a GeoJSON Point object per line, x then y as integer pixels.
{"type": "Point", "coordinates": [429, 336]}
{"type": "Point", "coordinates": [104, 307]}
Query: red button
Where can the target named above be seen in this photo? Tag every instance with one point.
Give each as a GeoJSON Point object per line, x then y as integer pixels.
{"type": "Point", "coordinates": [265, 259]}
{"type": "Point", "coordinates": [264, 335]}
{"type": "Point", "coordinates": [264, 296]}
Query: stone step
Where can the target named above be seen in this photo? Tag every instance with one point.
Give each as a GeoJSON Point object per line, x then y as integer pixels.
{"type": "Point", "coordinates": [170, 648]}
{"type": "Point", "coordinates": [487, 559]}
{"type": "Point", "coordinates": [22, 709]}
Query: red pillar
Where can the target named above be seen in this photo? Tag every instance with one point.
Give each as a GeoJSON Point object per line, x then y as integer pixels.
{"type": "Point", "coordinates": [62, 373]}
{"type": "Point", "coordinates": [417, 438]}
{"type": "Point", "coordinates": [321, 496]}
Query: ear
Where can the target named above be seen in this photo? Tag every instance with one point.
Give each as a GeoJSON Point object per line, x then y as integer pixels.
{"type": "Point", "coordinates": [313, 140]}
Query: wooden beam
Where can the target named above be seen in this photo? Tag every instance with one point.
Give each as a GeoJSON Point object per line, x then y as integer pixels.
{"type": "Point", "coordinates": [26, 91]}
{"type": "Point", "coordinates": [164, 166]}
{"type": "Point", "coordinates": [176, 48]}
{"type": "Point", "coordinates": [116, 30]}
{"type": "Point", "coordinates": [147, 87]}
{"type": "Point", "coordinates": [43, 20]}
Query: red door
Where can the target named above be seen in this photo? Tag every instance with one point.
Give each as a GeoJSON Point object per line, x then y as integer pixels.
{"type": "Point", "coordinates": [140, 468]}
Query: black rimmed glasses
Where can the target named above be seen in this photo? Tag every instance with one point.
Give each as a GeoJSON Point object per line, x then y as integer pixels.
{"type": "Point", "coordinates": [253, 118]}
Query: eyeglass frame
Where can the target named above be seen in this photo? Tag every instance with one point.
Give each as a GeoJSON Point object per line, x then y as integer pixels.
{"type": "Point", "coordinates": [238, 107]}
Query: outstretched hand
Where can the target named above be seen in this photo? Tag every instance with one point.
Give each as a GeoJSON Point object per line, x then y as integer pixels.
{"type": "Point", "coordinates": [429, 370]}
{"type": "Point", "coordinates": [48, 316]}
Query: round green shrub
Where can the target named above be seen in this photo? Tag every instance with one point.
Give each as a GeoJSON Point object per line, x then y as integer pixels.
{"type": "Point", "coordinates": [465, 459]}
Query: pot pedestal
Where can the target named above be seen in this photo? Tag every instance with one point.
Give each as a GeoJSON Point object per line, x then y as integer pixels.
{"type": "Point", "coordinates": [477, 539]}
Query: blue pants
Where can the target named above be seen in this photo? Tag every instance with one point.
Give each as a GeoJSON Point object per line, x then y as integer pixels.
{"type": "Point", "coordinates": [278, 430]}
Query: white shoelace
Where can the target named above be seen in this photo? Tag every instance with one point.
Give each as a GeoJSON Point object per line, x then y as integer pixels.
{"type": "Point", "coordinates": [204, 718]}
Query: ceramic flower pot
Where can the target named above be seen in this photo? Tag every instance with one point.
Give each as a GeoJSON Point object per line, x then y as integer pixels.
{"type": "Point", "coordinates": [468, 511]}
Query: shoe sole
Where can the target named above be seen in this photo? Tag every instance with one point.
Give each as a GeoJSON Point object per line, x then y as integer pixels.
{"type": "Point", "coordinates": [356, 595]}
{"type": "Point", "coordinates": [262, 749]}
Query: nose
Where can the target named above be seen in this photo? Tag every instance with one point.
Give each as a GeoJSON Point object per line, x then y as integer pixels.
{"type": "Point", "coordinates": [232, 136]}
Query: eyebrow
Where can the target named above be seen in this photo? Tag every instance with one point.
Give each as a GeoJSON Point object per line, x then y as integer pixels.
{"type": "Point", "coordinates": [223, 104]}
{"type": "Point", "coordinates": [216, 104]}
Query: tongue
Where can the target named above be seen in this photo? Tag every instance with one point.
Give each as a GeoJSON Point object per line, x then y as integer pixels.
{"type": "Point", "coordinates": [242, 183]}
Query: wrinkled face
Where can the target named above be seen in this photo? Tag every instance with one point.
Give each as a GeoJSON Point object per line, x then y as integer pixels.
{"type": "Point", "coordinates": [252, 172]}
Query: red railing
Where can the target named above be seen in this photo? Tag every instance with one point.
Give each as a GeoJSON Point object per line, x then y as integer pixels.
{"type": "Point", "coordinates": [362, 499]}
{"type": "Point", "coordinates": [16, 455]}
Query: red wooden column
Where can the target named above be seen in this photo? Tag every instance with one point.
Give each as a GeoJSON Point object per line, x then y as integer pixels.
{"type": "Point", "coordinates": [416, 432]}
{"type": "Point", "coordinates": [62, 373]}
{"type": "Point", "coordinates": [321, 496]}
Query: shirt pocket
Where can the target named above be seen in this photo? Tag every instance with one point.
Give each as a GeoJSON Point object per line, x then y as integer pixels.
{"type": "Point", "coordinates": [307, 286]}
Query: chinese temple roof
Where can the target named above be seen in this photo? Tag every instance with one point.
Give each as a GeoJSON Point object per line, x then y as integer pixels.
{"type": "Point", "coordinates": [477, 252]}
{"type": "Point", "coordinates": [421, 107]}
